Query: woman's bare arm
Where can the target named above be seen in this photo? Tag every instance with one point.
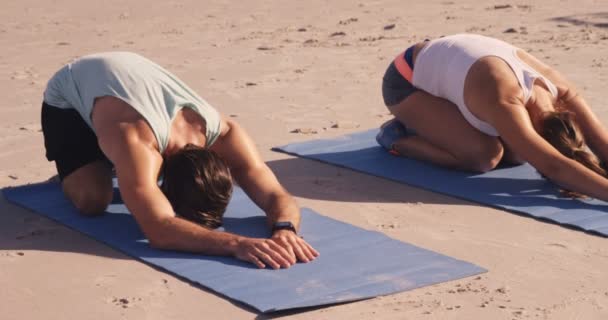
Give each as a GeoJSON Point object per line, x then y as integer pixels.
{"type": "Point", "coordinates": [594, 132]}
{"type": "Point", "coordinates": [515, 127]}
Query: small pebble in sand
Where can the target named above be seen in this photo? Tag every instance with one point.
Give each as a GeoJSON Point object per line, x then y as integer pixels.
{"type": "Point", "coordinates": [510, 30]}
{"type": "Point", "coordinates": [250, 84]}
{"type": "Point", "coordinates": [265, 48]}
{"type": "Point", "coordinates": [388, 226]}
{"type": "Point", "coordinates": [337, 34]}
{"type": "Point", "coordinates": [311, 41]}
{"type": "Point", "coordinates": [502, 307]}
{"type": "Point", "coordinates": [389, 26]}
{"type": "Point", "coordinates": [20, 253]}
{"type": "Point", "coordinates": [12, 176]}
{"type": "Point", "coordinates": [502, 6]}
{"type": "Point", "coordinates": [302, 30]}
{"type": "Point", "coordinates": [345, 125]}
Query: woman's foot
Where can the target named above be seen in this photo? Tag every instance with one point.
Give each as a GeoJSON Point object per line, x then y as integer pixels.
{"type": "Point", "coordinates": [390, 132]}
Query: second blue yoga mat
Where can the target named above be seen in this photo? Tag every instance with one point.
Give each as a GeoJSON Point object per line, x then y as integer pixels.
{"type": "Point", "coordinates": [520, 189]}
{"type": "Point", "coordinates": [354, 264]}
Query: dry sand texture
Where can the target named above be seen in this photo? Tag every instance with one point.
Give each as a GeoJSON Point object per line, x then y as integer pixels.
{"type": "Point", "coordinates": [289, 71]}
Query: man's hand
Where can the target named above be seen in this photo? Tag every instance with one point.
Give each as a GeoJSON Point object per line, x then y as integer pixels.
{"type": "Point", "coordinates": [295, 245]}
{"type": "Point", "coordinates": [263, 252]}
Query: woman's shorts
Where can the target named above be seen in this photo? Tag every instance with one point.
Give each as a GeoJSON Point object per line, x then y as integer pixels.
{"type": "Point", "coordinates": [397, 81]}
{"type": "Point", "coordinates": [68, 140]}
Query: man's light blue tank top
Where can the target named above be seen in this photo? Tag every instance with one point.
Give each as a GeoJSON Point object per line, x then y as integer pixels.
{"type": "Point", "coordinates": [150, 89]}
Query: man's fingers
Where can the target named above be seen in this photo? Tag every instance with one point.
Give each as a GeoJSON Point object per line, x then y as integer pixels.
{"type": "Point", "coordinates": [312, 250]}
{"type": "Point", "coordinates": [305, 252]}
{"type": "Point", "coordinates": [279, 254]}
{"type": "Point", "coordinates": [272, 257]}
{"type": "Point", "coordinates": [286, 250]}
{"type": "Point", "coordinates": [301, 251]}
{"type": "Point", "coordinates": [266, 258]}
{"type": "Point", "coordinates": [255, 260]}
{"type": "Point", "coordinates": [300, 254]}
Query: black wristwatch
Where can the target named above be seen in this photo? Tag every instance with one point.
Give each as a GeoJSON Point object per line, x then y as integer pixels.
{"type": "Point", "coordinates": [284, 225]}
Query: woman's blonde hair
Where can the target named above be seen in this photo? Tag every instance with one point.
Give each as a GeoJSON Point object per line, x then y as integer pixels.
{"type": "Point", "coordinates": [560, 129]}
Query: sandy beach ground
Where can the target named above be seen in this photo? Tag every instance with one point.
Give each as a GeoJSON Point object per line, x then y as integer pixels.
{"type": "Point", "coordinates": [291, 71]}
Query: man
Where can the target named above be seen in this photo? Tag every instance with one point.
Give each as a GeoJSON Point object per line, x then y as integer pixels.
{"type": "Point", "coordinates": [120, 109]}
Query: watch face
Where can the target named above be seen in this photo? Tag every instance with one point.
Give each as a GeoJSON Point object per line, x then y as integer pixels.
{"type": "Point", "coordinates": [283, 224]}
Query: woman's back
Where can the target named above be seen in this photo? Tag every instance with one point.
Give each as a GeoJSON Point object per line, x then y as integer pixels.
{"type": "Point", "coordinates": [443, 65]}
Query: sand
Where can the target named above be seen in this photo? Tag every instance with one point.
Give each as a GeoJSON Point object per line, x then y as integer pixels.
{"type": "Point", "coordinates": [291, 71]}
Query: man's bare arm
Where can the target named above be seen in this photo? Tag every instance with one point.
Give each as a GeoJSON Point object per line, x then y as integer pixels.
{"type": "Point", "coordinates": [137, 166]}
{"type": "Point", "coordinates": [262, 186]}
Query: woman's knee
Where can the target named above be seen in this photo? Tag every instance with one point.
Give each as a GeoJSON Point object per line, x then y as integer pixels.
{"type": "Point", "coordinates": [485, 157]}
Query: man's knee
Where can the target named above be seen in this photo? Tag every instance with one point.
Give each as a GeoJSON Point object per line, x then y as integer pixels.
{"type": "Point", "coordinates": [91, 201]}
{"type": "Point", "coordinates": [89, 188]}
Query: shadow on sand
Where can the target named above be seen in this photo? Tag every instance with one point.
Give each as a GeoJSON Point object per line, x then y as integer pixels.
{"type": "Point", "coordinates": [598, 19]}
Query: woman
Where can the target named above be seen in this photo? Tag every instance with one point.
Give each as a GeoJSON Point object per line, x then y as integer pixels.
{"type": "Point", "coordinates": [468, 102]}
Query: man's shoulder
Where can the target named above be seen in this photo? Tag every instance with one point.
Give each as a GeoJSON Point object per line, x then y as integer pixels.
{"type": "Point", "coordinates": [118, 124]}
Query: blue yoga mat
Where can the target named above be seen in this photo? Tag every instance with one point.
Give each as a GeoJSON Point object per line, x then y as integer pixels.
{"type": "Point", "coordinates": [354, 264]}
{"type": "Point", "coordinates": [519, 189]}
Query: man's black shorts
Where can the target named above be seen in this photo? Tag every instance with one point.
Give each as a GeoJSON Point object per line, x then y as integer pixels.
{"type": "Point", "coordinates": [68, 140]}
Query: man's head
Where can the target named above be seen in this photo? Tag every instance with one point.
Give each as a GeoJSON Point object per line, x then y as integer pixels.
{"type": "Point", "coordinates": [198, 184]}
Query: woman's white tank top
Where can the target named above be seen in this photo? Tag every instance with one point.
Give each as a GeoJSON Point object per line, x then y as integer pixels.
{"type": "Point", "coordinates": [443, 64]}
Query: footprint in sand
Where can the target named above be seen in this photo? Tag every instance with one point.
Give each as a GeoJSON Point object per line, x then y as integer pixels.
{"type": "Point", "coordinates": [25, 74]}
{"type": "Point", "coordinates": [304, 131]}
{"type": "Point", "coordinates": [11, 256]}
{"type": "Point", "coordinates": [126, 302]}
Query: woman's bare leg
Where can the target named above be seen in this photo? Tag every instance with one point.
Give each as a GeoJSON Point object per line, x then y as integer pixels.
{"type": "Point", "coordinates": [444, 137]}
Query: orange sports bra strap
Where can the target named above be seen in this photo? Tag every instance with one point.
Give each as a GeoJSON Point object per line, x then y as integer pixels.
{"type": "Point", "coordinates": [404, 69]}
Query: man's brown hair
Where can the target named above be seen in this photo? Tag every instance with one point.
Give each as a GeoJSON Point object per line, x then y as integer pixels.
{"type": "Point", "coordinates": [198, 184]}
